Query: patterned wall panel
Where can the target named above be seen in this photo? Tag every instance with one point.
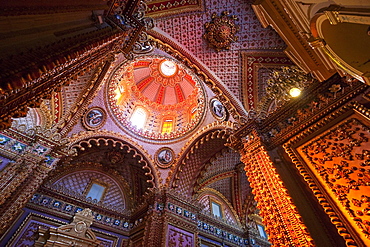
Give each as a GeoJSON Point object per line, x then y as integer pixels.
{"type": "Point", "coordinates": [256, 67]}
{"type": "Point", "coordinates": [178, 237]}
{"type": "Point", "coordinates": [79, 181]}
{"type": "Point", "coordinates": [336, 166]}
{"type": "Point", "coordinates": [224, 186]}
{"type": "Point", "coordinates": [188, 30]}
{"type": "Point", "coordinates": [222, 164]}
{"type": "Point", "coordinates": [72, 92]}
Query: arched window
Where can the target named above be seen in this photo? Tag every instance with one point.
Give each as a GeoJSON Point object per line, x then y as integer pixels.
{"type": "Point", "coordinates": [139, 117]}
{"type": "Point", "coordinates": [167, 125]}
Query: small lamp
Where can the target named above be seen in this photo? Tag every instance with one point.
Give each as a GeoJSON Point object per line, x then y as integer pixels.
{"type": "Point", "coordinates": [295, 92]}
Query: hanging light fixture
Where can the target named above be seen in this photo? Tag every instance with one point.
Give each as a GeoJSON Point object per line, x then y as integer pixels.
{"type": "Point", "coordinates": [286, 83]}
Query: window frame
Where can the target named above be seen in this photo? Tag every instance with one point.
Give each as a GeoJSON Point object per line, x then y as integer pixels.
{"type": "Point", "coordinates": [168, 119]}
{"type": "Point", "coordinates": [89, 186]}
{"type": "Point", "coordinates": [137, 109]}
{"type": "Point", "coordinates": [211, 201]}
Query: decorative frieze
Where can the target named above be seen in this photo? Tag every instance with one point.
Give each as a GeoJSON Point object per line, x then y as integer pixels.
{"type": "Point", "coordinates": [51, 203]}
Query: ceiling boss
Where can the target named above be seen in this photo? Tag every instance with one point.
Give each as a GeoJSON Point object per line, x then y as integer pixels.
{"type": "Point", "coordinates": [220, 32]}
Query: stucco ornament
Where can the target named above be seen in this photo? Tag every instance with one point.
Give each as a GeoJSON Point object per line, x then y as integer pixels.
{"type": "Point", "coordinates": [220, 32]}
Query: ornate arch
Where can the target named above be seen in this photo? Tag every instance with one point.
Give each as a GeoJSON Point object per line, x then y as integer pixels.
{"type": "Point", "coordinates": [225, 203]}
{"type": "Point", "coordinates": [84, 140]}
{"type": "Point", "coordinates": [68, 169]}
{"type": "Point", "coordinates": [194, 155]}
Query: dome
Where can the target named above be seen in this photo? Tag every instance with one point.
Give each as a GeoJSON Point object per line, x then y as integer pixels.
{"type": "Point", "coordinates": [156, 98]}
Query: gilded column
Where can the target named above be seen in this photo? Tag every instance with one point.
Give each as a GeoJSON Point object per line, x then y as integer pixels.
{"type": "Point", "coordinates": [280, 216]}
{"type": "Point", "coordinates": [154, 227]}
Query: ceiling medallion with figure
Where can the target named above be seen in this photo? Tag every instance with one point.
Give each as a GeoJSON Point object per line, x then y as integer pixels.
{"type": "Point", "coordinates": [94, 118]}
{"type": "Point", "coordinates": [220, 32]}
{"type": "Point", "coordinates": [164, 157]}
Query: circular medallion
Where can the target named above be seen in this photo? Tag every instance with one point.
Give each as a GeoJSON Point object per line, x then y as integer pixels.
{"type": "Point", "coordinates": [94, 118]}
{"type": "Point", "coordinates": [221, 31]}
{"type": "Point", "coordinates": [218, 110]}
{"type": "Point", "coordinates": [80, 226]}
{"type": "Point", "coordinates": [164, 157]}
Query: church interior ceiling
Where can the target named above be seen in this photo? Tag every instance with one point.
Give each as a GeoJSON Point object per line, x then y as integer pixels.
{"type": "Point", "coordinates": [151, 132]}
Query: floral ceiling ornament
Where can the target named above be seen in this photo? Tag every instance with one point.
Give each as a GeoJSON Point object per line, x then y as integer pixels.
{"type": "Point", "coordinates": [220, 32]}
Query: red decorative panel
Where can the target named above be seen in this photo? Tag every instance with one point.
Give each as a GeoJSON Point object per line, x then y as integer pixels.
{"type": "Point", "coordinates": [160, 95]}
{"type": "Point", "coordinates": [179, 94]}
{"type": "Point", "coordinates": [142, 64]}
{"type": "Point", "coordinates": [256, 68]}
{"type": "Point", "coordinates": [144, 83]}
{"type": "Point", "coordinates": [190, 79]}
{"type": "Point", "coordinates": [177, 237]}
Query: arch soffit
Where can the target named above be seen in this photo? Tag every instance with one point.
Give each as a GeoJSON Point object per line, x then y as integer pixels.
{"type": "Point", "coordinates": [85, 139]}
{"type": "Point", "coordinates": [122, 184]}
{"type": "Point", "coordinates": [215, 130]}
{"type": "Point", "coordinates": [319, 41]}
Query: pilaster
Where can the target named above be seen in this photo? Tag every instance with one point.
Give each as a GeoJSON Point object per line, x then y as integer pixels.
{"type": "Point", "coordinates": [280, 216]}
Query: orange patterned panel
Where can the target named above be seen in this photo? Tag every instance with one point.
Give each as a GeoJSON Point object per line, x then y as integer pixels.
{"type": "Point", "coordinates": [339, 160]}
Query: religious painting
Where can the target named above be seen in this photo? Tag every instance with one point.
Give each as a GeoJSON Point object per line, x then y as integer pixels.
{"type": "Point", "coordinates": [218, 110]}
{"type": "Point", "coordinates": [94, 118]}
{"type": "Point", "coordinates": [164, 157]}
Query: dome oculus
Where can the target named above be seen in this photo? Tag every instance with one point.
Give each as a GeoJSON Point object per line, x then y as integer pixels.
{"type": "Point", "coordinates": [168, 68]}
